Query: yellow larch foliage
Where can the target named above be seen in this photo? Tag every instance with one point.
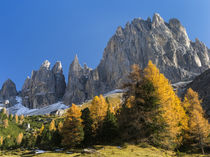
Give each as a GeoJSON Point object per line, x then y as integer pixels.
{"type": "Point", "coordinates": [60, 126]}
{"type": "Point", "coordinates": [5, 123]}
{"type": "Point", "coordinates": [22, 117]}
{"type": "Point", "coordinates": [19, 138]}
{"type": "Point", "coordinates": [4, 110]}
{"type": "Point", "coordinates": [173, 112]}
{"type": "Point", "coordinates": [72, 130]}
{"type": "Point", "coordinates": [199, 128]}
{"type": "Point", "coordinates": [52, 126]}
{"type": "Point", "coordinates": [98, 110]}
{"type": "Point", "coordinates": [1, 140]}
{"type": "Point", "coordinates": [16, 118]}
{"type": "Point", "coordinates": [130, 102]}
{"type": "Point", "coordinates": [41, 129]}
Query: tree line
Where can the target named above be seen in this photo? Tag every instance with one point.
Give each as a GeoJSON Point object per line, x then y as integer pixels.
{"type": "Point", "coordinates": [151, 112]}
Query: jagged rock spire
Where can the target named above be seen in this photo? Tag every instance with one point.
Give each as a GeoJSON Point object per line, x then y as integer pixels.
{"type": "Point", "coordinates": [75, 67]}
{"type": "Point", "coordinates": [157, 20]}
{"type": "Point", "coordinates": [8, 89]}
{"type": "Point", "coordinates": [45, 65]}
{"type": "Point", "coordinates": [45, 86]}
{"type": "Point", "coordinates": [57, 68]}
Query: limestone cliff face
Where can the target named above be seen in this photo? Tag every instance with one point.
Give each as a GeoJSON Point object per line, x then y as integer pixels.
{"type": "Point", "coordinates": [82, 83]}
{"type": "Point", "coordinates": [8, 93]}
{"type": "Point", "coordinates": [45, 86]}
{"type": "Point", "coordinates": [166, 44]}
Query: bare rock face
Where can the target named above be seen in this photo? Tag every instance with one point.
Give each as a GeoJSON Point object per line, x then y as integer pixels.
{"type": "Point", "coordinates": [8, 93]}
{"type": "Point", "coordinates": [60, 84]}
{"type": "Point", "coordinates": [45, 86]}
{"type": "Point", "coordinates": [201, 84]}
{"type": "Point", "coordinates": [80, 81]}
{"type": "Point", "coordinates": [166, 44]}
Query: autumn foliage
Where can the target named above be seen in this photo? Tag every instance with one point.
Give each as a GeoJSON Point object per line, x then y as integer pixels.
{"type": "Point", "coordinates": [98, 110]}
{"type": "Point", "coordinates": [72, 130]}
{"type": "Point", "coordinates": [198, 126]}
{"type": "Point", "coordinates": [171, 108]}
{"type": "Point", "coordinates": [52, 126]}
{"type": "Point", "coordinates": [19, 138]}
{"type": "Point", "coordinates": [5, 123]}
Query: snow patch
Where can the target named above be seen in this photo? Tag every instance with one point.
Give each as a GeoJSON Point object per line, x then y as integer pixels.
{"type": "Point", "coordinates": [40, 151]}
{"type": "Point", "coordinates": [47, 109]}
{"type": "Point", "coordinates": [19, 109]}
{"type": "Point", "coordinates": [114, 91]}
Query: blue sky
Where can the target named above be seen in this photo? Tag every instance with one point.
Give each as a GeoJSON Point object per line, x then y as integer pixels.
{"type": "Point", "coordinates": [32, 31]}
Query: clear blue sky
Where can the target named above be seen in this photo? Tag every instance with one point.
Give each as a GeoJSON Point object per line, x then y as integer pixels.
{"type": "Point", "coordinates": [32, 31]}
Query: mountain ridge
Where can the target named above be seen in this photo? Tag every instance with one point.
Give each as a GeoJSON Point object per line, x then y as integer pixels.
{"type": "Point", "coordinates": [165, 43]}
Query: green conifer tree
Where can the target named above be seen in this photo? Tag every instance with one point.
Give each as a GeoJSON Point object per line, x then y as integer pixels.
{"type": "Point", "coordinates": [87, 124]}
{"type": "Point", "coordinates": [109, 131]}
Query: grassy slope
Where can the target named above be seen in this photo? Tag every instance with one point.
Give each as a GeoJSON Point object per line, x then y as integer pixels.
{"type": "Point", "coordinates": [12, 130]}
{"type": "Point", "coordinates": [113, 99]}
{"type": "Point", "coordinates": [111, 151]}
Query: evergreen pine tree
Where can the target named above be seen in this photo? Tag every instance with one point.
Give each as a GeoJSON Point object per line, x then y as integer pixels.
{"type": "Point", "coordinates": [109, 131]}
{"type": "Point", "coordinates": [138, 116]}
{"type": "Point", "coordinates": [87, 124]}
{"type": "Point", "coordinates": [11, 117]}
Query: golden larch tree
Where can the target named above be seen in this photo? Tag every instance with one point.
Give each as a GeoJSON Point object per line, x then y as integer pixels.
{"type": "Point", "coordinates": [173, 112]}
{"type": "Point", "coordinates": [60, 126]}
{"type": "Point", "coordinates": [22, 118]}
{"type": "Point", "coordinates": [199, 128]}
{"type": "Point", "coordinates": [41, 129]}
{"type": "Point", "coordinates": [5, 123]}
{"type": "Point", "coordinates": [1, 140]}
{"type": "Point", "coordinates": [16, 118]}
{"type": "Point", "coordinates": [52, 126]}
{"type": "Point", "coordinates": [98, 110]}
{"type": "Point", "coordinates": [4, 110]}
{"type": "Point", "coordinates": [72, 130]}
{"type": "Point", "coordinates": [19, 138]}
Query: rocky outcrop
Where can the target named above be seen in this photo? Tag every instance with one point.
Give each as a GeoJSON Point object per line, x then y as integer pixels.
{"type": "Point", "coordinates": [60, 84]}
{"type": "Point", "coordinates": [82, 83]}
{"type": "Point", "coordinates": [166, 44]}
{"type": "Point", "coordinates": [45, 86]}
{"type": "Point", "coordinates": [8, 93]}
{"type": "Point", "coordinates": [201, 84]}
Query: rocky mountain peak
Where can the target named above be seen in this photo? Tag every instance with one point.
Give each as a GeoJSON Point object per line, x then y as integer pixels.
{"type": "Point", "coordinates": [45, 65]}
{"type": "Point", "coordinates": [157, 20]}
{"type": "Point", "coordinates": [45, 86]}
{"type": "Point", "coordinates": [8, 93]}
{"type": "Point", "coordinates": [179, 32]}
{"type": "Point", "coordinates": [57, 68]}
{"type": "Point", "coordinates": [165, 43]}
{"type": "Point", "coordinates": [175, 23]}
{"type": "Point", "coordinates": [8, 89]}
{"type": "Point", "coordinates": [75, 68]}
{"type": "Point", "coordinates": [119, 31]}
